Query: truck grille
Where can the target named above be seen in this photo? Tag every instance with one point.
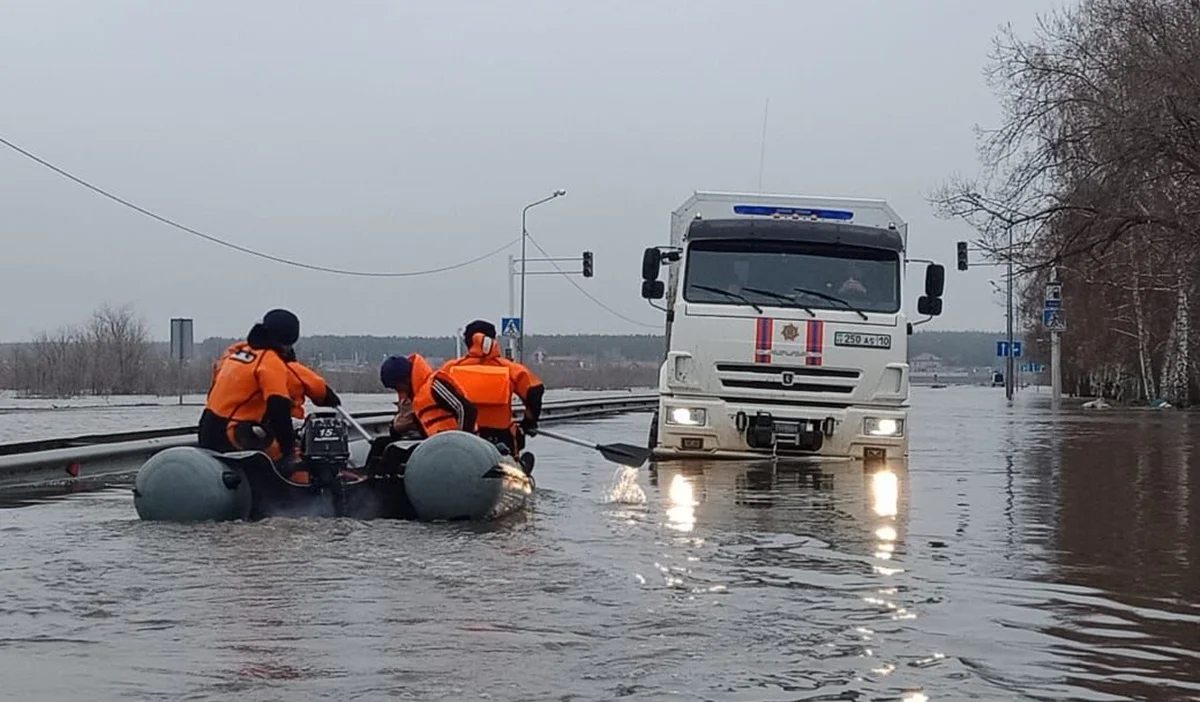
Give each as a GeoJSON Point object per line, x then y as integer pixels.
{"type": "Point", "coordinates": [813, 380]}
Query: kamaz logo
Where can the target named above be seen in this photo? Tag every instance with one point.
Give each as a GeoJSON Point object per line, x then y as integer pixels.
{"type": "Point", "coordinates": [788, 378]}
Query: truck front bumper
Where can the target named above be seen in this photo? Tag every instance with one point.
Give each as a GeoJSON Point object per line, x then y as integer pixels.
{"type": "Point", "coordinates": [712, 428]}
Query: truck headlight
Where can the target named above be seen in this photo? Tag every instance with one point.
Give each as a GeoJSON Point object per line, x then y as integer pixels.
{"type": "Point", "coordinates": [875, 426]}
{"type": "Point", "coordinates": [687, 416]}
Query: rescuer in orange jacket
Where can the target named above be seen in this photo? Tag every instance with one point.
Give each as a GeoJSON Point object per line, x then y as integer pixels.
{"type": "Point", "coordinates": [490, 381]}
{"type": "Point", "coordinates": [303, 382]}
{"type": "Point", "coordinates": [438, 403]}
{"type": "Point", "coordinates": [249, 406]}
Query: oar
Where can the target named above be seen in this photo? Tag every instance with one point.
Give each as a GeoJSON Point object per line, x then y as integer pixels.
{"type": "Point", "coordinates": [625, 454]}
{"type": "Point", "coordinates": [354, 423]}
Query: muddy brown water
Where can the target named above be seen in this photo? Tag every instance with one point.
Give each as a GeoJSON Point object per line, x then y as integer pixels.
{"type": "Point", "coordinates": [1017, 555]}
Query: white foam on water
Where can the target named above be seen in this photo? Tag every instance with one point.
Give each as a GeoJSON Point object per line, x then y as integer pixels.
{"type": "Point", "coordinates": [625, 489]}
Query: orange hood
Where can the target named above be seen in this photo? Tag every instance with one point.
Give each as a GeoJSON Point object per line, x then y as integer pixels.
{"type": "Point", "coordinates": [478, 341]}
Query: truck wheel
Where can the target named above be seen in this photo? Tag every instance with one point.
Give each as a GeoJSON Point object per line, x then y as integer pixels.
{"type": "Point", "coordinates": [653, 440]}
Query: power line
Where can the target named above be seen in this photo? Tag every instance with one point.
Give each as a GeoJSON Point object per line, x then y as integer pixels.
{"type": "Point", "coordinates": [581, 289]}
{"type": "Point", "coordinates": [243, 249]}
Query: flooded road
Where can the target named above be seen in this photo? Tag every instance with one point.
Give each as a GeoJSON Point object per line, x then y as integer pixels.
{"type": "Point", "coordinates": [1017, 555]}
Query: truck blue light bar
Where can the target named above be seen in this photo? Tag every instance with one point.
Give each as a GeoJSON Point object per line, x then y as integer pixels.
{"type": "Point", "coordinates": [793, 212]}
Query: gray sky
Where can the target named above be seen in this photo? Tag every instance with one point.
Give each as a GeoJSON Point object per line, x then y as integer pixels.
{"type": "Point", "coordinates": [390, 136]}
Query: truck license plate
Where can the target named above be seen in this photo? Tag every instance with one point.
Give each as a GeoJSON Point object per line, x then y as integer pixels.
{"type": "Point", "coordinates": [870, 341]}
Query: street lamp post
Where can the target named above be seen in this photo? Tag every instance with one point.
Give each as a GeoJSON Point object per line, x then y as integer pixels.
{"type": "Point", "coordinates": [524, 237]}
{"type": "Point", "coordinates": [1009, 381]}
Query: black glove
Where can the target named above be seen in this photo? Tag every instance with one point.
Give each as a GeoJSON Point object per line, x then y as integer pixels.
{"type": "Point", "coordinates": [529, 425]}
{"type": "Point", "coordinates": [331, 399]}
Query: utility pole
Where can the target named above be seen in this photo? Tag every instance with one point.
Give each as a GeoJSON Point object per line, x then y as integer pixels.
{"type": "Point", "coordinates": [1010, 359]}
{"type": "Point", "coordinates": [524, 237]}
{"type": "Point", "coordinates": [512, 299]}
{"type": "Point", "coordinates": [1053, 320]}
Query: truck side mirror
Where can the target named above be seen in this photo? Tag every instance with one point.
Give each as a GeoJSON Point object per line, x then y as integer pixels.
{"type": "Point", "coordinates": [929, 306]}
{"type": "Point", "coordinates": [651, 260]}
{"type": "Point", "coordinates": [935, 280]}
{"type": "Point", "coordinates": [653, 289]}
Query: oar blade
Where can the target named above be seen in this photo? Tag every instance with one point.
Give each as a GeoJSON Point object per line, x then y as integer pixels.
{"type": "Point", "coordinates": [625, 454]}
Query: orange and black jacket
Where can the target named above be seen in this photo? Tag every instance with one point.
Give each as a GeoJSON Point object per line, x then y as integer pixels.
{"type": "Point", "coordinates": [303, 382]}
{"type": "Point", "coordinates": [490, 381]}
{"type": "Point", "coordinates": [249, 390]}
{"type": "Point", "coordinates": [438, 402]}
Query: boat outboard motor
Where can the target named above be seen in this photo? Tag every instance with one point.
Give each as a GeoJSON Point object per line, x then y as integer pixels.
{"type": "Point", "coordinates": [326, 450]}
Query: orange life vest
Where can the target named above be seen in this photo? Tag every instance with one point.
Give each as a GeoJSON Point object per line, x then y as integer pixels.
{"type": "Point", "coordinates": [490, 380]}
{"type": "Point", "coordinates": [490, 388]}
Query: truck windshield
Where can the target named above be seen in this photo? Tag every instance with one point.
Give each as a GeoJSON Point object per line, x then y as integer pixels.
{"type": "Point", "coordinates": [796, 274]}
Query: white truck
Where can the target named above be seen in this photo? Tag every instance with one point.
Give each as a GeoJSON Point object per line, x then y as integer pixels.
{"type": "Point", "coordinates": [785, 328]}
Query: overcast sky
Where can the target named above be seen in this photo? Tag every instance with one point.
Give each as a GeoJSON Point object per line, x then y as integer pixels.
{"type": "Point", "coordinates": [394, 135]}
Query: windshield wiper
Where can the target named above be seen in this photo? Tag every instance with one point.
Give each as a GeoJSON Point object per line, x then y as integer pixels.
{"type": "Point", "coordinates": [831, 298]}
{"type": "Point", "coordinates": [726, 293]}
{"type": "Point", "coordinates": [785, 298]}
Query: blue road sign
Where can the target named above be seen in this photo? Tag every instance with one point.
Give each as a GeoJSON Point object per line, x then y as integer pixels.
{"type": "Point", "coordinates": [510, 326]}
{"type": "Point", "coordinates": [1053, 295]}
{"type": "Point", "coordinates": [1053, 319]}
{"type": "Point", "coordinates": [1017, 349]}
{"type": "Point", "coordinates": [1001, 349]}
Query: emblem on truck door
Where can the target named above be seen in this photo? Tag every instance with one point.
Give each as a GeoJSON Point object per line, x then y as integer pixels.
{"type": "Point", "coordinates": [790, 332]}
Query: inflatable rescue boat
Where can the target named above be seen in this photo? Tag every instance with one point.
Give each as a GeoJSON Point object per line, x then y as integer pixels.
{"type": "Point", "coordinates": [450, 476]}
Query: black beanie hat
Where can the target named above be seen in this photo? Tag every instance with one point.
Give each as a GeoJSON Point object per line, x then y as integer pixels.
{"type": "Point", "coordinates": [283, 327]}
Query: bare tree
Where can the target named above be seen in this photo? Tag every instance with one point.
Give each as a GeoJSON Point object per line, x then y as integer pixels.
{"type": "Point", "coordinates": [119, 342]}
{"type": "Point", "coordinates": [1095, 170]}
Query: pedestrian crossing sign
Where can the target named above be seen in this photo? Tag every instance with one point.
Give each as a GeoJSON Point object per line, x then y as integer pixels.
{"type": "Point", "coordinates": [510, 326]}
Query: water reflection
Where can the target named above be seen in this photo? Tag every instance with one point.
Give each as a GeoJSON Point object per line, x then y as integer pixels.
{"type": "Point", "coordinates": [1127, 531]}
{"type": "Point", "coordinates": [847, 504]}
{"type": "Point", "coordinates": [821, 543]}
{"type": "Point", "coordinates": [885, 492]}
{"type": "Point", "coordinates": [681, 500]}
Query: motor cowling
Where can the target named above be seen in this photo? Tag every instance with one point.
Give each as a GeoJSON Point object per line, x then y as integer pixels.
{"type": "Point", "coordinates": [325, 446]}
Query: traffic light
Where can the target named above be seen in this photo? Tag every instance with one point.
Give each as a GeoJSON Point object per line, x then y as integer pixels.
{"type": "Point", "coordinates": [962, 255]}
{"type": "Point", "coordinates": [587, 264]}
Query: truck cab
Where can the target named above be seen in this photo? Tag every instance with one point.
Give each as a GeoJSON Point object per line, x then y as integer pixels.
{"type": "Point", "coordinates": [785, 327]}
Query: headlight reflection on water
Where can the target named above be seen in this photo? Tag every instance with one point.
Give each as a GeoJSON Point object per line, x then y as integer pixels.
{"type": "Point", "coordinates": [885, 502]}
{"type": "Point", "coordinates": [681, 501]}
{"type": "Point", "coordinates": [885, 493]}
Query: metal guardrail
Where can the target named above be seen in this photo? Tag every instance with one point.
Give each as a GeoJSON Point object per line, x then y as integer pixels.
{"type": "Point", "coordinates": [63, 460]}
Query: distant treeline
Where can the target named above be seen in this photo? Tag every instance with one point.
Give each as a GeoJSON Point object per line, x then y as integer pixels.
{"type": "Point", "coordinates": [958, 349]}
{"type": "Point", "coordinates": [112, 354]}
{"type": "Point", "coordinates": [371, 350]}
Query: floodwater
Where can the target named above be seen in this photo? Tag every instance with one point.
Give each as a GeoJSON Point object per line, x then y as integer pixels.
{"type": "Point", "coordinates": [1016, 556]}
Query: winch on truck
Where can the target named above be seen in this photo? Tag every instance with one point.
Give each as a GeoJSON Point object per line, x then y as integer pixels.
{"type": "Point", "coordinates": [785, 327]}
